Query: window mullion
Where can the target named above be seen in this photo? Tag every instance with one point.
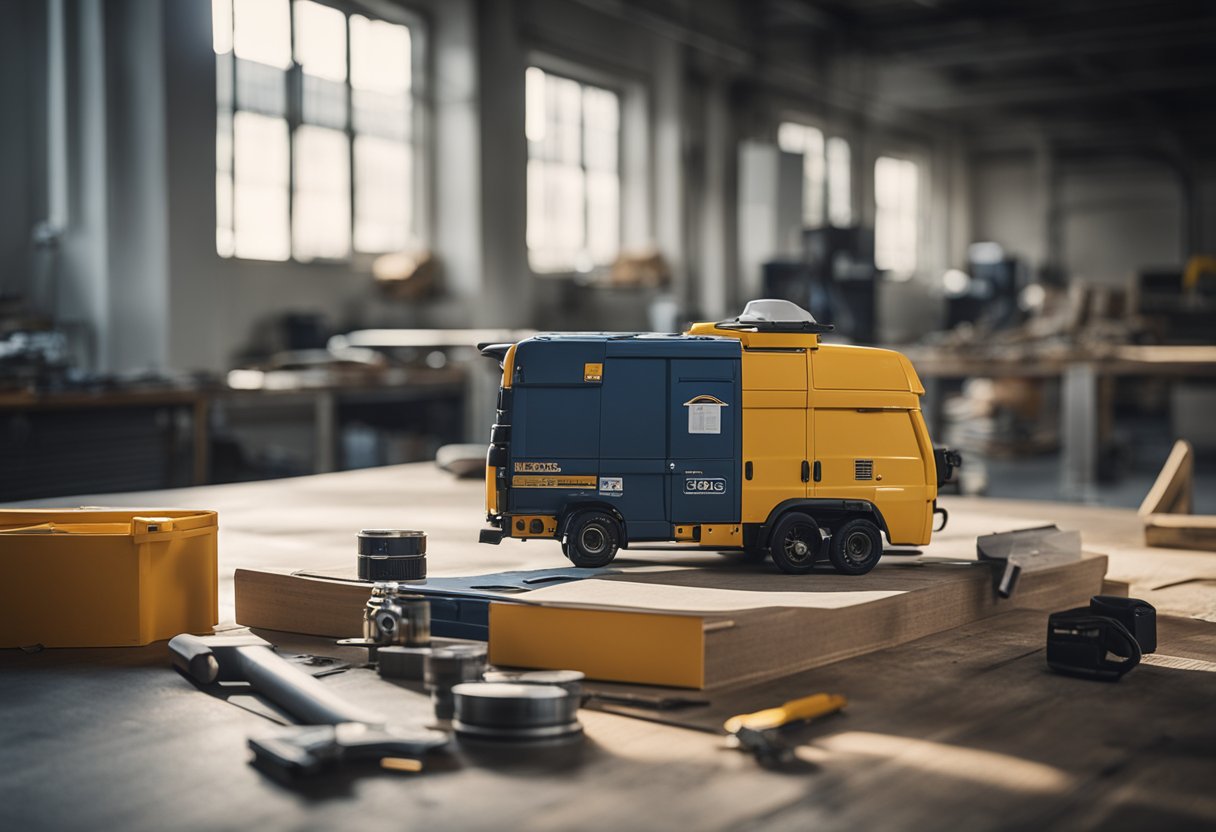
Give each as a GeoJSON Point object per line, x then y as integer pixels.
{"type": "Point", "coordinates": [582, 158]}
{"type": "Point", "coordinates": [350, 142]}
{"type": "Point", "coordinates": [233, 106]}
{"type": "Point", "coordinates": [295, 92]}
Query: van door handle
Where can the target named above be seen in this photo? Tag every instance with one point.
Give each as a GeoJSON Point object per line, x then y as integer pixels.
{"type": "Point", "coordinates": [818, 471]}
{"type": "Point", "coordinates": [747, 470]}
{"type": "Point", "coordinates": [806, 471]}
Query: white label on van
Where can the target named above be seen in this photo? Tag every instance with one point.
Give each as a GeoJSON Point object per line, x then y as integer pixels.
{"type": "Point", "coordinates": [704, 485]}
{"type": "Point", "coordinates": [704, 418]}
{"type": "Point", "coordinates": [612, 485]}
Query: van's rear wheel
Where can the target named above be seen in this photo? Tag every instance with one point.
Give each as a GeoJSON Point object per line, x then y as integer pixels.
{"type": "Point", "coordinates": [856, 547]}
{"type": "Point", "coordinates": [592, 539]}
{"type": "Point", "coordinates": [795, 543]}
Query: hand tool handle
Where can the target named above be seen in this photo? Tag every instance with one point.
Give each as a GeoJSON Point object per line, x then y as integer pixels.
{"type": "Point", "coordinates": [192, 656]}
{"type": "Point", "coordinates": [295, 691]}
{"type": "Point", "coordinates": [797, 710]}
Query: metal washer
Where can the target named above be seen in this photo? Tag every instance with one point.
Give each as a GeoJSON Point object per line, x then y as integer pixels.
{"type": "Point", "coordinates": [543, 732]}
{"type": "Point", "coordinates": [507, 711]}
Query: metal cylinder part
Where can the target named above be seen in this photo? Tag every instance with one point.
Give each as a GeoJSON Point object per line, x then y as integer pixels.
{"type": "Point", "coordinates": [398, 662]}
{"type": "Point", "coordinates": [515, 712]}
{"type": "Point", "coordinates": [447, 667]}
{"type": "Point", "coordinates": [392, 555]}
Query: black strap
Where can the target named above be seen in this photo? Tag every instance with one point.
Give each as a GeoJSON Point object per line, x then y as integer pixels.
{"type": "Point", "coordinates": [1080, 643]}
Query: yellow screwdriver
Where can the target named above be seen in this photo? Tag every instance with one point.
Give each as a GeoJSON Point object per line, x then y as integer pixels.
{"type": "Point", "coordinates": [756, 732]}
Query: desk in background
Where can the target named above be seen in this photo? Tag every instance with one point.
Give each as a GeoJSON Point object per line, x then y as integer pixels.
{"type": "Point", "coordinates": [1086, 383]}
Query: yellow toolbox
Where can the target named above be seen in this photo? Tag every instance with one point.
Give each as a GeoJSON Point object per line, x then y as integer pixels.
{"type": "Point", "coordinates": [106, 577]}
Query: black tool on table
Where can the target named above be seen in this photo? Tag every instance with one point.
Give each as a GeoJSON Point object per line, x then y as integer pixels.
{"type": "Point", "coordinates": [392, 617]}
{"type": "Point", "coordinates": [1102, 641]}
{"type": "Point", "coordinates": [1138, 617]}
{"type": "Point", "coordinates": [447, 667]}
{"type": "Point", "coordinates": [1026, 550]}
{"type": "Point", "coordinates": [516, 712]}
{"type": "Point", "coordinates": [391, 555]}
{"type": "Point", "coordinates": [334, 730]}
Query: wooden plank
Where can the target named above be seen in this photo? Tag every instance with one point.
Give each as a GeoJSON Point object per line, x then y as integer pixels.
{"type": "Point", "coordinates": [1181, 531]}
{"type": "Point", "coordinates": [767, 615]}
{"type": "Point", "coordinates": [1172, 490]}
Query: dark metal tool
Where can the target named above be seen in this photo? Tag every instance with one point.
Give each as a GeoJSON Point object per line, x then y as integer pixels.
{"type": "Point", "coordinates": [301, 751]}
{"type": "Point", "coordinates": [393, 617]}
{"type": "Point", "coordinates": [211, 659]}
{"type": "Point", "coordinates": [514, 712]}
{"type": "Point", "coordinates": [1138, 617]}
{"type": "Point", "coordinates": [1091, 646]}
{"type": "Point", "coordinates": [447, 667]}
{"type": "Point", "coordinates": [1027, 550]}
{"type": "Point", "coordinates": [397, 662]}
{"type": "Point", "coordinates": [347, 731]}
{"type": "Point", "coordinates": [392, 555]}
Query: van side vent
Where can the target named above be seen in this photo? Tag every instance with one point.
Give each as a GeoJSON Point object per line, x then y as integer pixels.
{"type": "Point", "coordinates": [863, 469]}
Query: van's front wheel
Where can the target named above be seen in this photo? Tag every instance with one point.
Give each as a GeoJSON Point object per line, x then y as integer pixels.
{"type": "Point", "coordinates": [592, 539]}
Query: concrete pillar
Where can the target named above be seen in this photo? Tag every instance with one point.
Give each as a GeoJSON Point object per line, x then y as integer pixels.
{"type": "Point", "coordinates": [670, 210]}
{"type": "Point", "coordinates": [715, 292]}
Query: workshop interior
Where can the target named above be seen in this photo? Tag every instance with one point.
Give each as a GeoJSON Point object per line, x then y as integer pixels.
{"type": "Point", "coordinates": [588, 414]}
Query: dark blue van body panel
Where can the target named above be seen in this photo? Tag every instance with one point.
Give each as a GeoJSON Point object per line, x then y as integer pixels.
{"type": "Point", "coordinates": [627, 440]}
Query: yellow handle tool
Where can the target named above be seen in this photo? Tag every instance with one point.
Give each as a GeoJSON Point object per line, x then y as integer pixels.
{"type": "Point", "coordinates": [796, 710]}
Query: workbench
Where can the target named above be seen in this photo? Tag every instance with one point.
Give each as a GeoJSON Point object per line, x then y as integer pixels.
{"type": "Point", "coordinates": [1085, 389]}
{"type": "Point", "coordinates": [965, 729]}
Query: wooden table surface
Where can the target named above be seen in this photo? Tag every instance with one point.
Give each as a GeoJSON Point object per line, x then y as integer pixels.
{"type": "Point", "coordinates": [964, 729]}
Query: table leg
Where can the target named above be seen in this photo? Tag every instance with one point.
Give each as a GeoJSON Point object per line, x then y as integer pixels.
{"type": "Point", "coordinates": [325, 418]}
{"type": "Point", "coordinates": [201, 439]}
{"type": "Point", "coordinates": [1079, 432]}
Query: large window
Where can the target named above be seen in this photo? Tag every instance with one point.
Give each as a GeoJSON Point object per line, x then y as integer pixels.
{"type": "Point", "coordinates": [314, 153]}
{"type": "Point", "coordinates": [574, 183]}
{"type": "Point", "coordinates": [827, 189]}
{"type": "Point", "coordinates": [840, 182]}
{"type": "Point", "coordinates": [896, 227]}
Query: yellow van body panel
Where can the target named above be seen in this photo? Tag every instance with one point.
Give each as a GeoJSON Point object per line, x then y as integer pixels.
{"type": "Point", "coordinates": [774, 429]}
{"type": "Point", "coordinates": [854, 410]}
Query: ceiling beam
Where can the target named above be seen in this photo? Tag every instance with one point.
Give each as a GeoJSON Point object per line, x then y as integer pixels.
{"type": "Point", "coordinates": [1023, 46]}
{"type": "Point", "coordinates": [1025, 92]}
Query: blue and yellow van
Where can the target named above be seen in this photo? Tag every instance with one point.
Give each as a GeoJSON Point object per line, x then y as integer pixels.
{"type": "Point", "coordinates": [746, 434]}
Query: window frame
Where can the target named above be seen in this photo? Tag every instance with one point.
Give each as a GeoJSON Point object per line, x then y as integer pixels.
{"type": "Point", "coordinates": [418, 137]}
{"type": "Point", "coordinates": [918, 204]}
{"type": "Point", "coordinates": [624, 90]}
{"type": "Point", "coordinates": [827, 136]}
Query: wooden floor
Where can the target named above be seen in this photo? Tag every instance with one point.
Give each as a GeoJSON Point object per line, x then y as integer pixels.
{"type": "Point", "coordinates": [965, 729]}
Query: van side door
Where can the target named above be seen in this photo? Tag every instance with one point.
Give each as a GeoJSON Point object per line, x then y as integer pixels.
{"type": "Point", "coordinates": [776, 428]}
{"type": "Point", "coordinates": [704, 416]}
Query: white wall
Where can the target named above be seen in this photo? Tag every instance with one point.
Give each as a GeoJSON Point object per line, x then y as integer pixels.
{"type": "Point", "coordinates": [1119, 217]}
{"type": "Point", "coordinates": [1113, 216]}
{"type": "Point", "coordinates": [1007, 195]}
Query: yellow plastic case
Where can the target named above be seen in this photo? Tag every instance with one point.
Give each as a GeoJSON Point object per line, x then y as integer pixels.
{"type": "Point", "coordinates": [106, 578]}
